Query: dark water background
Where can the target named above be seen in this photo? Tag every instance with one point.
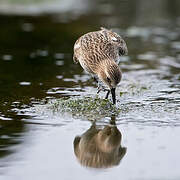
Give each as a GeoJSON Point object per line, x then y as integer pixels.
{"type": "Point", "coordinates": [36, 42]}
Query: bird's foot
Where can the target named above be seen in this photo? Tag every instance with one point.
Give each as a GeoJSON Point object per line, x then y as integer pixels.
{"type": "Point", "coordinates": [101, 88]}
{"type": "Point", "coordinates": [107, 95]}
{"type": "Point", "coordinates": [95, 79]}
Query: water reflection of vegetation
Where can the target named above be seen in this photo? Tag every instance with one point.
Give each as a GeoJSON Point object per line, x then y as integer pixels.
{"type": "Point", "coordinates": [100, 148]}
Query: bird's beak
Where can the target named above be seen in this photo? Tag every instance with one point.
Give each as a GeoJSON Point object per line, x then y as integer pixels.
{"type": "Point", "coordinates": [113, 95]}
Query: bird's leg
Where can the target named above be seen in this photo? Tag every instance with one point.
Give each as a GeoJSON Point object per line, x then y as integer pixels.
{"type": "Point", "coordinates": [95, 79]}
{"type": "Point", "coordinates": [113, 120]}
{"type": "Point", "coordinates": [113, 95]}
{"type": "Point", "coordinates": [107, 95]}
{"type": "Point", "coordinates": [100, 87]}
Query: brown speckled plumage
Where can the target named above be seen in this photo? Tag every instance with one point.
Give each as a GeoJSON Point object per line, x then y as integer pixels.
{"type": "Point", "coordinates": [99, 53]}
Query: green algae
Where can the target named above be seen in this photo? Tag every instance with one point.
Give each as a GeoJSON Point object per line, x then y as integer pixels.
{"type": "Point", "coordinates": [85, 106]}
{"type": "Point", "coordinates": [133, 89]}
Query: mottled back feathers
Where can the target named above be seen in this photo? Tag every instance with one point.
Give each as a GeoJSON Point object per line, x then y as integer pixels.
{"type": "Point", "coordinates": [93, 47]}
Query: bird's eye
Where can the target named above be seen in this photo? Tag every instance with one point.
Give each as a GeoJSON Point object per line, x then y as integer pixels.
{"type": "Point", "coordinates": [108, 79]}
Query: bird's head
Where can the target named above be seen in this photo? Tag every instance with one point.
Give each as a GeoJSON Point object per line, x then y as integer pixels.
{"type": "Point", "coordinates": [110, 74]}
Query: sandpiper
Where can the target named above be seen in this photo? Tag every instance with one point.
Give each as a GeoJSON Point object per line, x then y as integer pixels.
{"type": "Point", "coordinates": [99, 53]}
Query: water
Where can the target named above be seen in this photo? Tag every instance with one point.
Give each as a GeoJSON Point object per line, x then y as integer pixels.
{"type": "Point", "coordinates": [36, 66]}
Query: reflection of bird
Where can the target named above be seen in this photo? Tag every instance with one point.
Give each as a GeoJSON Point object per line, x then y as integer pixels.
{"type": "Point", "coordinates": [98, 53]}
{"type": "Point", "coordinates": [99, 148]}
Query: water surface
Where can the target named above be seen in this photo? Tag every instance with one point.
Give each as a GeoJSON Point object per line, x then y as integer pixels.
{"type": "Point", "coordinates": [36, 66]}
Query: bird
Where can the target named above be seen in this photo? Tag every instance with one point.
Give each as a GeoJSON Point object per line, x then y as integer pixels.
{"type": "Point", "coordinates": [99, 53]}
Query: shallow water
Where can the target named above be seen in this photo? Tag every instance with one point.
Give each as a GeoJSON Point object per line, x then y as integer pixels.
{"type": "Point", "coordinates": [36, 67]}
